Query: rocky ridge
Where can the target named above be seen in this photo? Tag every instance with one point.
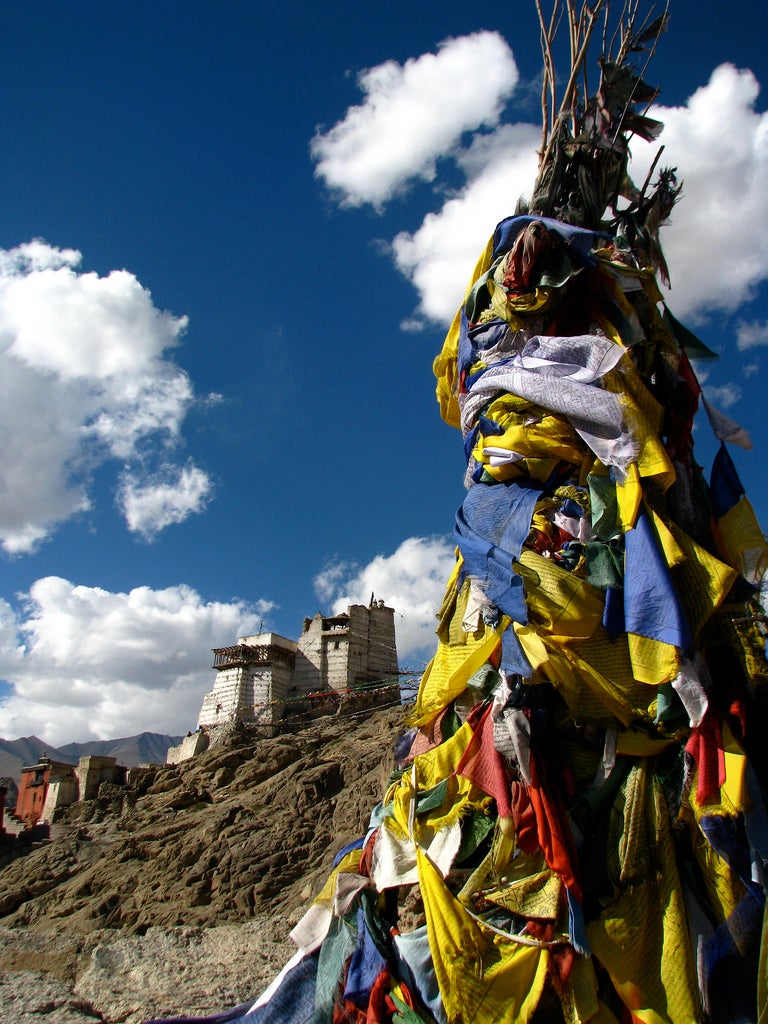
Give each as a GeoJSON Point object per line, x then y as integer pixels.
{"type": "Point", "coordinates": [146, 747]}
{"type": "Point", "coordinates": [177, 895]}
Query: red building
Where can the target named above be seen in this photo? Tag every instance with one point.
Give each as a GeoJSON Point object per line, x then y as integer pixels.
{"type": "Point", "coordinates": [49, 785]}
{"type": "Point", "coordinates": [43, 787]}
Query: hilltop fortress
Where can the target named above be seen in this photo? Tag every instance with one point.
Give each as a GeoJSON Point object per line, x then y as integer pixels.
{"type": "Point", "coordinates": [266, 680]}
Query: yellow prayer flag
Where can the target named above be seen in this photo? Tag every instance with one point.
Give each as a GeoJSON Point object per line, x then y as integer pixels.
{"type": "Point", "coordinates": [444, 365]}
{"type": "Point", "coordinates": [447, 674]}
{"type": "Point", "coordinates": [484, 978]}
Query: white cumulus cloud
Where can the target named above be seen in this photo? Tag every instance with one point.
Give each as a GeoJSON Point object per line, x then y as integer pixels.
{"type": "Point", "coordinates": [86, 663]}
{"type": "Point", "coordinates": [73, 324]}
{"type": "Point", "coordinates": [716, 243]}
{"type": "Point", "coordinates": [723, 395]}
{"type": "Point", "coordinates": [751, 334]}
{"type": "Point", "coordinates": [140, 406]}
{"type": "Point", "coordinates": [412, 114]}
{"type": "Point", "coordinates": [168, 497]}
{"type": "Point", "coordinates": [717, 141]}
{"type": "Point", "coordinates": [439, 256]}
{"type": "Point", "coordinates": [84, 377]}
{"type": "Point", "coordinates": [411, 580]}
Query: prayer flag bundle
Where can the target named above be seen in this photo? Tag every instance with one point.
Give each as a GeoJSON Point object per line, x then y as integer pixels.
{"type": "Point", "coordinates": [576, 828]}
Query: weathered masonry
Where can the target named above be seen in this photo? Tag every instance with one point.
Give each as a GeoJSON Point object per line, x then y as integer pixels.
{"type": "Point", "coordinates": [49, 785]}
{"type": "Point", "coordinates": [345, 652]}
{"type": "Point", "coordinates": [260, 677]}
{"type": "Point", "coordinates": [255, 671]}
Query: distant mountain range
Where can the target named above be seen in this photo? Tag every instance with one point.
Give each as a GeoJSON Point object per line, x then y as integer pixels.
{"type": "Point", "coordinates": [146, 748]}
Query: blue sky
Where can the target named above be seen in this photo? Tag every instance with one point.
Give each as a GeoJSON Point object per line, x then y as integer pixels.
{"type": "Point", "coordinates": [232, 237]}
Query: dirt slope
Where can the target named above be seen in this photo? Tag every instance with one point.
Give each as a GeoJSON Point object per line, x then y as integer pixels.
{"type": "Point", "coordinates": [243, 835]}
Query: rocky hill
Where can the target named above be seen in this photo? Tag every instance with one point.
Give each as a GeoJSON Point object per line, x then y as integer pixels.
{"type": "Point", "coordinates": [177, 895]}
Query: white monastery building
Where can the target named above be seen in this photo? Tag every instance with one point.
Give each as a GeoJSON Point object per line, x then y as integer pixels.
{"type": "Point", "coordinates": [265, 678]}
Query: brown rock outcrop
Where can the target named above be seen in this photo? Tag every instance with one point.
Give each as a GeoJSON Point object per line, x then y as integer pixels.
{"type": "Point", "coordinates": [177, 895]}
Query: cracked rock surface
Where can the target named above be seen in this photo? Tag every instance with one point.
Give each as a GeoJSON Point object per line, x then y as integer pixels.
{"type": "Point", "coordinates": [177, 895]}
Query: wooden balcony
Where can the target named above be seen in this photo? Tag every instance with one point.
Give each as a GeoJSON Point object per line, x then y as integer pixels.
{"type": "Point", "coordinates": [240, 655]}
